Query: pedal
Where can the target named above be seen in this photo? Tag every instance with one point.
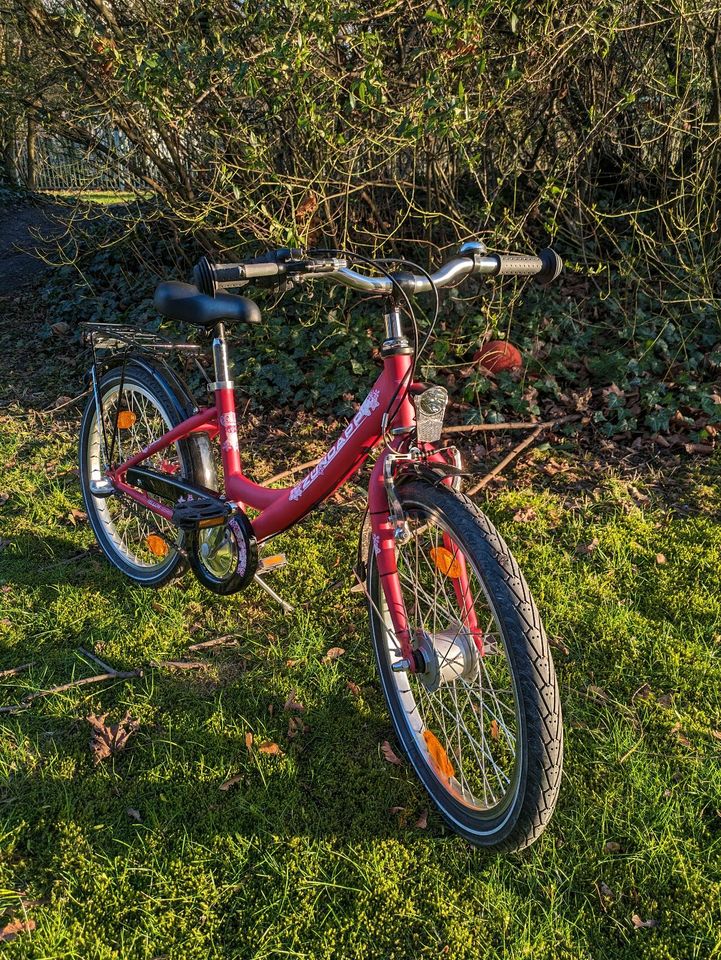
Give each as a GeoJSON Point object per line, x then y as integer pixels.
{"type": "Point", "coordinates": [274, 562]}
{"type": "Point", "coordinates": [198, 513]}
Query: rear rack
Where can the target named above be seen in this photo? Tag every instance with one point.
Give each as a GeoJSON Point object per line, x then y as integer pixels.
{"type": "Point", "coordinates": [110, 336]}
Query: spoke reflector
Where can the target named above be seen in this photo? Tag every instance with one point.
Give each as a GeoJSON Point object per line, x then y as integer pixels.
{"type": "Point", "coordinates": [126, 419]}
{"type": "Point", "coordinates": [157, 546]}
{"type": "Point", "coordinates": [438, 755]}
{"type": "Point", "coordinates": [446, 562]}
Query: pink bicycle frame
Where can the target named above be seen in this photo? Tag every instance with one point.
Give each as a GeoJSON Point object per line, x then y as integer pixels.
{"type": "Point", "coordinates": [280, 508]}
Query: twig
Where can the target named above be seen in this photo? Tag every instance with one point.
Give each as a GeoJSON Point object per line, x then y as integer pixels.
{"type": "Point", "coordinates": [68, 403]}
{"type": "Point", "coordinates": [26, 701]}
{"type": "Point", "coordinates": [513, 425]}
{"type": "Point", "coordinates": [519, 448]}
{"type": "Point", "coordinates": [465, 428]}
{"type": "Point", "coordinates": [184, 664]}
{"type": "Point", "coordinates": [217, 642]}
{"type": "Point", "coordinates": [291, 470]}
{"type": "Point", "coordinates": [101, 663]}
{"type": "Point", "coordinates": [13, 670]}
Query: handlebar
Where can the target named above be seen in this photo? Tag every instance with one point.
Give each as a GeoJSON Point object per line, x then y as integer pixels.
{"type": "Point", "coordinates": [472, 258]}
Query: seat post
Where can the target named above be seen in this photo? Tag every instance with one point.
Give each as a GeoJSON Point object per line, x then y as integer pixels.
{"type": "Point", "coordinates": [220, 359]}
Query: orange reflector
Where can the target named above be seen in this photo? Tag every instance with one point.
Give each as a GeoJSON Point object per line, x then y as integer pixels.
{"type": "Point", "coordinates": [438, 755]}
{"type": "Point", "coordinates": [157, 546]}
{"type": "Point", "coordinates": [446, 562]}
{"type": "Point", "coordinates": [126, 419]}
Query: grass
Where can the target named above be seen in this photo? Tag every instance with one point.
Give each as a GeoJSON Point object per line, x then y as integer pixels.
{"type": "Point", "coordinates": [301, 857]}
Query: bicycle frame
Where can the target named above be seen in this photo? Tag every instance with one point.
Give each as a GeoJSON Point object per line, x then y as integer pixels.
{"type": "Point", "coordinates": [281, 508]}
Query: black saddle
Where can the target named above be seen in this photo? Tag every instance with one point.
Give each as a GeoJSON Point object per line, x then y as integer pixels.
{"type": "Point", "coordinates": [183, 301]}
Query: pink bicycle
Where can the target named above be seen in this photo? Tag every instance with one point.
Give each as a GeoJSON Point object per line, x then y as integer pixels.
{"type": "Point", "coordinates": [462, 656]}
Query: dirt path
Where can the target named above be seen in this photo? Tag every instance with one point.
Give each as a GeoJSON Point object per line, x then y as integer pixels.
{"type": "Point", "coordinates": [28, 228]}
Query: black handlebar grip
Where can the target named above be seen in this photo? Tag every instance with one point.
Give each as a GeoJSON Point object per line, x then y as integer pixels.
{"type": "Point", "coordinates": [545, 267]}
{"type": "Point", "coordinates": [210, 277]}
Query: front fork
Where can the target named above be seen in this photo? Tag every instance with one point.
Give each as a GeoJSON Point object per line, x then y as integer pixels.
{"type": "Point", "coordinates": [389, 527]}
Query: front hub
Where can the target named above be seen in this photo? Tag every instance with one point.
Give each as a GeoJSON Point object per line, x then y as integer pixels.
{"type": "Point", "coordinates": [446, 656]}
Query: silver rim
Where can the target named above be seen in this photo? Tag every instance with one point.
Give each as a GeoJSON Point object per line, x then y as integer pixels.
{"type": "Point", "coordinates": [462, 711]}
{"type": "Point", "coordinates": [127, 529]}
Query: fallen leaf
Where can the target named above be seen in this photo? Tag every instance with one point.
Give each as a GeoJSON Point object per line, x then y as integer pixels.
{"type": "Point", "coordinates": [494, 730]}
{"type": "Point", "coordinates": [597, 693]}
{"type": "Point", "coordinates": [612, 846]}
{"type": "Point", "coordinates": [134, 814]}
{"type": "Point", "coordinates": [716, 734]}
{"type": "Point", "coordinates": [639, 923]}
{"type": "Point", "coordinates": [643, 693]}
{"type": "Point", "coordinates": [272, 749]}
{"type": "Point", "coordinates": [77, 516]}
{"type": "Point", "coordinates": [15, 928]}
{"type": "Point", "coordinates": [292, 703]}
{"type": "Point", "coordinates": [4, 497]}
{"type": "Point", "coordinates": [109, 739]}
{"type": "Point", "coordinates": [396, 809]}
{"type": "Point", "coordinates": [660, 559]}
{"type": "Point", "coordinates": [271, 709]}
{"type": "Point", "coordinates": [231, 782]}
{"type": "Point", "coordinates": [333, 654]}
{"type": "Point", "coordinates": [60, 329]}
{"type": "Point", "coordinates": [525, 515]}
{"type": "Point", "coordinates": [606, 891]}
{"type": "Point", "coordinates": [249, 742]}
{"type": "Point", "coordinates": [422, 821]}
{"type": "Point", "coordinates": [665, 700]}
{"type": "Point", "coordinates": [583, 549]}
{"type": "Point", "coordinates": [296, 726]}
{"type": "Point", "coordinates": [158, 607]}
{"type": "Point", "coordinates": [389, 755]}
{"type": "Point", "coordinates": [353, 687]}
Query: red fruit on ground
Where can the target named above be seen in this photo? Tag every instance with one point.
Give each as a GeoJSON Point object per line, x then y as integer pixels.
{"type": "Point", "coordinates": [497, 355]}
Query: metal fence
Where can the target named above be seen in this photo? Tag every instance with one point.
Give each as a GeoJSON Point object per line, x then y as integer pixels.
{"type": "Point", "coordinates": [58, 164]}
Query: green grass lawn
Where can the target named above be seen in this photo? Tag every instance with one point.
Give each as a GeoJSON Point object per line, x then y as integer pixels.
{"type": "Point", "coordinates": [145, 856]}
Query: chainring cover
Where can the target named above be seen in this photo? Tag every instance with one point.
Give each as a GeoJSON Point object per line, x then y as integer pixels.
{"type": "Point", "coordinates": [224, 558]}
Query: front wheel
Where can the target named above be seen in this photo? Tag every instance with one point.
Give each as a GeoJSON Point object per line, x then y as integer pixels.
{"type": "Point", "coordinates": [480, 720]}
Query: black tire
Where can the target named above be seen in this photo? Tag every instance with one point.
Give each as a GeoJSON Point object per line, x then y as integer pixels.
{"type": "Point", "coordinates": [193, 462]}
{"type": "Point", "coordinates": [521, 817]}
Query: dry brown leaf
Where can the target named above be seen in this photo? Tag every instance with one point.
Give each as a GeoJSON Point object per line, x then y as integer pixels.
{"type": "Point", "coordinates": [525, 515]}
{"type": "Point", "coordinates": [422, 821]}
{"type": "Point", "coordinates": [660, 559]}
{"type": "Point", "coordinates": [583, 549]}
{"type": "Point", "coordinates": [389, 755]}
{"type": "Point", "coordinates": [108, 739]}
{"type": "Point", "coordinates": [333, 654]}
{"type": "Point", "coordinates": [494, 730]}
{"type": "Point", "coordinates": [158, 607]}
{"type": "Point", "coordinates": [665, 700]}
{"type": "Point", "coordinates": [597, 693]}
{"type": "Point", "coordinates": [612, 846]}
{"type": "Point", "coordinates": [77, 516]}
{"type": "Point", "coordinates": [639, 923]}
{"type": "Point", "coordinates": [249, 742]}
{"type": "Point", "coordinates": [15, 928]}
{"type": "Point", "coordinates": [353, 687]}
{"type": "Point", "coordinates": [716, 734]}
{"type": "Point", "coordinates": [272, 749]}
{"type": "Point", "coordinates": [296, 726]}
{"type": "Point", "coordinates": [231, 782]}
{"type": "Point", "coordinates": [643, 693]}
{"type": "Point", "coordinates": [396, 809]}
{"type": "Point", "coordinates": [134, 814]}
{"type": "Point", "coordinates": [292, 703]}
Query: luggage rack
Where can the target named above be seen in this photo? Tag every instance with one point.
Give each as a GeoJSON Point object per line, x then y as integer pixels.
{"type": "Point", "coordinates": [110, 336]}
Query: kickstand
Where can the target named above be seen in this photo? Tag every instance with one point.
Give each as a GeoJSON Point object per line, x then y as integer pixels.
{"type": "Point", "coordinates": [286, 607]}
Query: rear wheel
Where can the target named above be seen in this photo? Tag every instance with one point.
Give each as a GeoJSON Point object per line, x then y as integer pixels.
{"type": "Point", "coordinates": [145, 547]}
{"type": "Point", "coordinates": [480, 721]}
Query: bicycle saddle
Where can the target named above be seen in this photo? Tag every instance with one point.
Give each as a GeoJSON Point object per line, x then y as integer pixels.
{"type": "Point", "coordinates": [183, 301]}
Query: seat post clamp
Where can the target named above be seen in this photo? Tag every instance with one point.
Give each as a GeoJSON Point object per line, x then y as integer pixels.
{"type": "Point", "coordinates": [221, 385]}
